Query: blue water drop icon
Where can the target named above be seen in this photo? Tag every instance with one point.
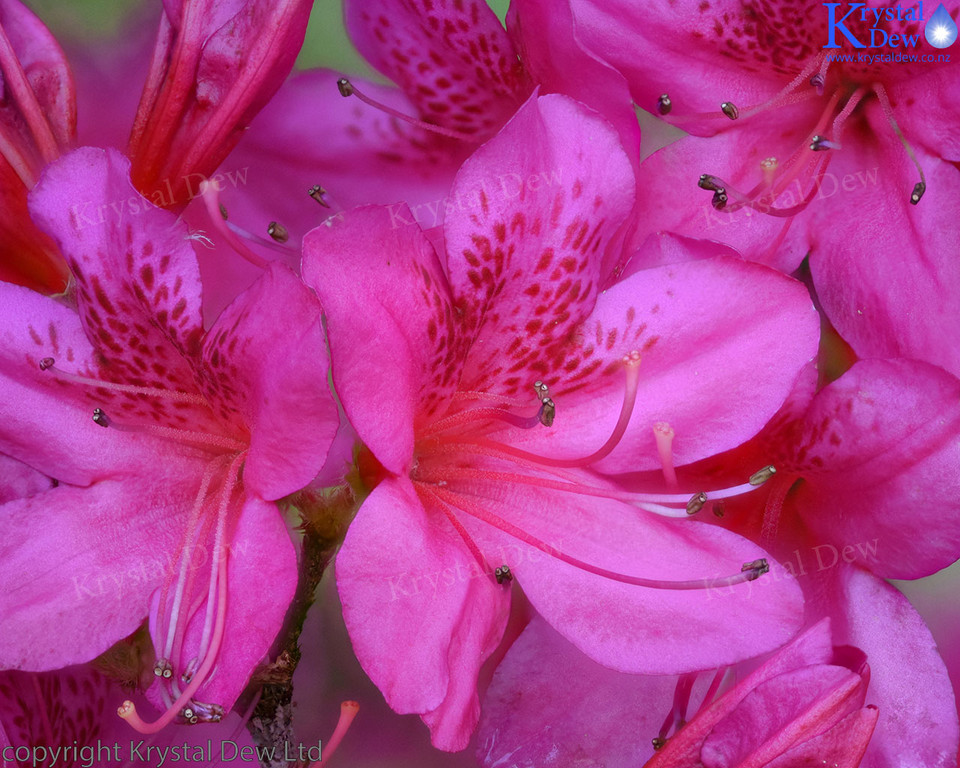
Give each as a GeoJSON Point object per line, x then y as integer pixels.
{"type": "Point", "coordinates": [941, 29]}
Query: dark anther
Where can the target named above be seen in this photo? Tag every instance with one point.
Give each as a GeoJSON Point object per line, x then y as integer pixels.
{"type": "Point", "coordinates": [317, 192]}
{"type": "Point", "coordinates": [345, 87]}
{"type": "Point", "coordinates": [820, 143]}
{"type": "Point", "coordinates": [658, 743]}
{"type": "Point", "coordinates": [730, 110]}
{"type": "Point", "coordinates": [664, 105]}
{"type": "Point", "coordinates": [817, 82]}
{"type": "Point", "coordinates": [719, 508]}
{"type": "Point", "coordinates": [708, 182]}
{"type": "Point", "coordinates": [223, 211]}
{"type": "Point", "coordinates": [100, 418]}
{"type": "Point", "coordinates": [547, 412]}
{"type": "Point", "coordinates": [756, 568]}
{"type": "Point", "coordinates": [696, 503]}
{"type": "Point", "coordinates": [278, 232]}
{"type": "Point", "coordinates": [503, 574]}
{"type": "Point", "coordinates": [46, 362]}
{"type": "Point", "coordinates": [720, 199]}
{"type": "Point", "coordinates": [918, 189]}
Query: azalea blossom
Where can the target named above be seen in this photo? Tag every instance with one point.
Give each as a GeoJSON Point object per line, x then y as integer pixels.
{"type": "Point", "coordinates": [169, 447]}
{"type": "Point", "coordinates": [452, 373]}
{"type": "Point", "coordinates": [814, 145]}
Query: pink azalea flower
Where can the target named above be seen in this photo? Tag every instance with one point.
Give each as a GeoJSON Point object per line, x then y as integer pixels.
{"type": "Point", "coordinates": [802, 706]}
{"type": "Point", "coordinates": [459, 75]}
{"type": "Point", "coordinates": [434, 361]}
{"type": "Point", "coordinates": [169, 491]}
{"type": "Point", "coordinates": [850, 161]}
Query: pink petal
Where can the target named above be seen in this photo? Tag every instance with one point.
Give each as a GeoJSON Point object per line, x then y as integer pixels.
{"type": "Point", "coordinates": [361, 156]}
{"type": "Point", "coordinates": [393, 336]}
{"type": "Point", "coordinates": [878, 450]}
{"type": "Point", "coordinates": [549, 704]}
{"type": "Point", "coordinates": [713, 335]}
{"type": "Point", "coordinates": [265, 362]}
{"type": "Point", "coordinates": [138, 288]}
{"type": "Point", "coordinates": [46, 424]}
{"type": "Point", "coordinates": [261, 579]}
{"type": "Point", "coordinates": [18, 481]}
{"type": "Point", "coordinates": [634, 628]}
{"type": "Point", "coordinates": [859, 270]}
{"type": "Point", "coordinates": [546, 37]}
{"type": "Point", "coordinates": [549, 195]}
{"type": "Point", "coordinates": [421, 615]}
{"type": "Point", "coordinates": [453, 60]}
{"type": "Point", "coordinates": [909, 683]}
{"type": "Point", "coordinates": [76, 583]}
{"type": "Point", "coordinates": [783, 712]}
{"type": "Point", "coordinates": [843, 745]}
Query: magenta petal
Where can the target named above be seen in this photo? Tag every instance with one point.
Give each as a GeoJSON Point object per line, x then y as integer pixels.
{"type": "Point", "coordinates": [908, 683]}
{"type": "Point", "coordinates": [453, 60]}
{"type": "Point", "coordinates": [845, 743]}
{"type": "Point", "coordinates": [879, 449]}
{"type": "Point", "coordinates": [860, 267]}
{"type": "Point", "coordinates": [18, 481]}
{"type": "Point", "coordinates": [636, 628]}
{"type": "Point", "coordinates": [265, 362]}
{"type": "Point", "coordinates": [549, 195]}
{"type": "Point", "coordinates": [138, 287]}
{"type": "Point", "coordinates": [261, 577]}
{"type": "Point", "coordinates": [421, 615]}
{"type": "Point", "coordinates": [71, 584]}
{"type": "Point", "coordinates": [390, 319]}
{"type": "Point", "coordinates": [549, 704]}
{"type": "Point", "coordinates": [782, 712]}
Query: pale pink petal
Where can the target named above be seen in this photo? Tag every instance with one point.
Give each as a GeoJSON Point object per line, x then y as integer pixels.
{"type": "Point", "coordinates": [265, 363]}
{"type": "Point", "coordinates": [18, 481]}
{"type": "Point", "coordinates": [393, 336]}
{"type": "Point", "coordinates": [878, 450]}
{"type": "Point", "coordinates": [844, 744]}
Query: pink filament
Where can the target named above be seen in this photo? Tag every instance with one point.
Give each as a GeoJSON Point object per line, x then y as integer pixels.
{"type": "Point", "coordinates": [348, 711]}
{"type": "Point", "coordinates": [211, 199]}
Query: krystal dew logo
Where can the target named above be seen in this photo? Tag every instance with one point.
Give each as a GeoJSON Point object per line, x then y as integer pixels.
{"type": "Point", "coordinates": [940, 30]}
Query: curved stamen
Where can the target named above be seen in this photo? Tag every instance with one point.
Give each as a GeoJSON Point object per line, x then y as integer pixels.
{"type": "Point", "coordinates": [211, 200]}
{"type": "Point", "coordinates": [920, 187]}
{"type": "Point", "coordinates": [348, 711]}
{"type": "Point", "coordinates": [349, 89]}
{"type": "Point", "coordinates": [663, 434]}
{"type": "Point", "coordinates": [632, 366]}
{"type": "Point", "coordinates": [49, 364]}
{"type": "Point", "coordinates": [749, 571]}
{"type": "Point", "coordinates": [128, 710]}
{"type": "Point", "coordinates": [169, 433]}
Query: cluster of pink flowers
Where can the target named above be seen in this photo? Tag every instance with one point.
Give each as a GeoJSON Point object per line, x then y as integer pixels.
{"type": "Point", "coordinates": [618, 448]}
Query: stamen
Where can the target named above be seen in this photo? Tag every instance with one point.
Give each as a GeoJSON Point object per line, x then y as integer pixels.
{"type": "Point", "coordinates": [663, 433]}
{"type": "Point", "coordinates": [349, 89]}
{"type": "Point", "coordinates": [761, 476]}
{"type": "Point", "coordinates": [664, 105]}
{"type": "Point", "coordinates": [170, 433]}
{"type": "Point", "coordinates": [822, 144]}
{"type": "Point", "coordinates": [128, 710]}
{"type": "Point", "coordinates": [730, 110]}
{"type": "Point", "coordinates": [921, 186]}
{"type": "Point", "coordinates": [278, 232]}
{"type": "Point", "coordinates": [317, 192]}
{"type": "Point", "coordinates": [696, 503]}
{"type": "Point", "coordinates": [49, 364]}
{"type": "Point", "coordinates": [748, 571]}
{"type": "Point", "coordinates": [211, 199]}
{"type": "Point", "coordinates": [163, 669]}
{"type": "Point", "coordinates": [503, 574]}
{"type": "Point", "coordinates": [348, 711]}
{"type": "Point", "coordinates": [632, 366]}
